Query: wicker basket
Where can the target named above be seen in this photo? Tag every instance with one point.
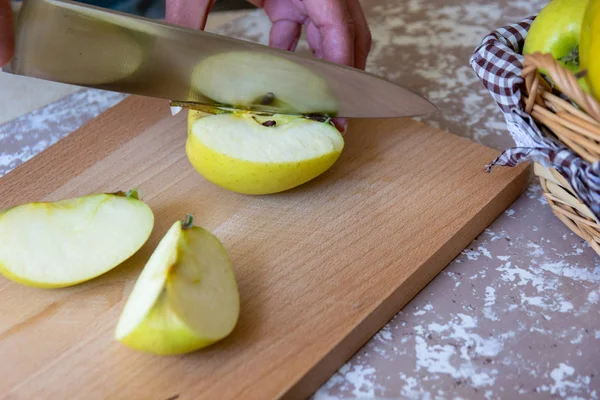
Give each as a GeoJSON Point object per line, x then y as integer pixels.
{"type": "Point", "coordinates": [577, 127]}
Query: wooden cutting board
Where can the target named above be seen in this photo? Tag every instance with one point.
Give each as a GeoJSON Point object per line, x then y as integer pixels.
{"type": "Point", "coordinates": [320, 268]}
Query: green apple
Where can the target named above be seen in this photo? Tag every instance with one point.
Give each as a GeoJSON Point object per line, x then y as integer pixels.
{"type": "Point", "coordinates": [590, 46]}
{"type": "Point", "coordinates": [66, 242]}
{"type": "Point", "coordinates": [557, 30]}
{"type": "Point", "coordinates": [244, 79]}
{"type": "Point", "coordinates": [186, 297]}
{"type": "Point", "coordinates": [256, 154]}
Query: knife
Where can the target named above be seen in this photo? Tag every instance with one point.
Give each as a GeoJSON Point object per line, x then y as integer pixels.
{"type": "Point", "coordinates": [74, 43]}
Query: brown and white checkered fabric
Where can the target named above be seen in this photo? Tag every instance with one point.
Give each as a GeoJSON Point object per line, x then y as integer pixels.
{"type": "Point", "coordinates": [498, 62]}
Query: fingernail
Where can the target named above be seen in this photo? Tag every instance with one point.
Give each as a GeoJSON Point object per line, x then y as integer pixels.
{"type": "Point", "coordinates": [292, 46]}
{"type": "Point", "coordinates": [344, 127]}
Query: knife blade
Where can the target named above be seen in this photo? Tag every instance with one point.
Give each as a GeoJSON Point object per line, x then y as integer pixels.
{"type": "Point", "coordinates": [74, 43]}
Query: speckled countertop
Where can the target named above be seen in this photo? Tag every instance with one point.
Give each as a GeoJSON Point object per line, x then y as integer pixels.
{"type": "Point", "coordinates": [516, 315]}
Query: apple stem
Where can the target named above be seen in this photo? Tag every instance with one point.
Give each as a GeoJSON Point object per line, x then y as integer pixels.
{"type": "Point", "coordinates": [133, 193]}
{"type": "Point", "coordinates": [187, 222]}
{"type": "Point", "coordinates": [572, 57]}
{"type": "Point", "coordinates": [267, 99]}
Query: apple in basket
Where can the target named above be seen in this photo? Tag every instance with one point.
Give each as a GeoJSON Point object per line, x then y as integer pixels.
{"type": "Point", "coordinates": [590, 46]}
{"type": "Point", "coordinates": [557, 30]}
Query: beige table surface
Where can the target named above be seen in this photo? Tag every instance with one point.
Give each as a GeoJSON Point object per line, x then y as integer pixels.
{"type": "Point", "coordinates": [515, 316]}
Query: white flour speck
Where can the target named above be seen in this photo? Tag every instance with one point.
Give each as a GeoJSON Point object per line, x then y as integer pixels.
{"type": "Point", "coordinates": [562, 268]}
{"type": "Point", "coordinates": [472, 255]}
{"type": "Point", "coordinates": [577, 339]}
{"type": "Point", "coordinates": [565, 306]}
{"type": "Point", "coordinates": [565, 382]}
{"type": "Point", "coordinates": [384, 334]}
{"type": "Point", "coordinates": [358, 377]}
{"type": "Point", "coordinates": [534, 301]}
{"type": "Point", "coordinates": [490, 300]}
{"type": "Point", "coordinates": [537, 249]}
{"type": "Point", "coordinates": [485, 252]}
{"type": "Point", "coordinates": [455, 358]}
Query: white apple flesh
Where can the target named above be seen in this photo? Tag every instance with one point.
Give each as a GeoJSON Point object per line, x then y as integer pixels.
{"type": "Point", "coordinates": [252, 154]}
{"type": "Point", "coordinates": [62, 243]}
{"type": "Point", "coordinates": [186, 297]}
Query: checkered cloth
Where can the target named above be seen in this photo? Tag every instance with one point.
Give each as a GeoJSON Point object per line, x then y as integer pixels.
{"type": "Point", "coordinates": [498, 62]}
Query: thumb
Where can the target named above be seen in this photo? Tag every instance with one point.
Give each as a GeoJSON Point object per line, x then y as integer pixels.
{"type": "Point", "coordinates": [7, 34]}
{"type": "Point", "coordinates": [189, 13]}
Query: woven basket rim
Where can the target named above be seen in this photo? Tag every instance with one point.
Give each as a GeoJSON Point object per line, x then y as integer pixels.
{"type": "Point", "coordinates": [572, 116]}
{"type": "Point", "coordinates": [574, 120]}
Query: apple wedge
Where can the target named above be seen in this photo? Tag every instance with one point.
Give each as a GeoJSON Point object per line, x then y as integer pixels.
{"type": "Point", "coordinates": [66, 242]}
{"type": "Point", "coordinates": [185, 298]}
{"type": "Point", "coordinates": [255, 154]}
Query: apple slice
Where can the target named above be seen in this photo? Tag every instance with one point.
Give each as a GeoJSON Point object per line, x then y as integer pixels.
{"type": "Point", "coordinates": [256, 154]}
{"type": "Point", "coordinates": [185, 298]}
{"type": "Point", "coordinates": [66, 242]}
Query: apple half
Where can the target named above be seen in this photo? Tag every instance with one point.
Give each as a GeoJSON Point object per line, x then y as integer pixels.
{"type": "Point", "coordinates": [243, 79]}
{"type": "Point", "coordinates": [66, 242]}
{"type": "Point", "coordinates": [185, 298]}
{"type": "Point", "coordinates": [258, 154]}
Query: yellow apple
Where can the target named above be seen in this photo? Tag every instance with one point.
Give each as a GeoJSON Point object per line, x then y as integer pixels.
{"type": "Point", "coordinates": [256, 154]}
{"type": "Point", "coordinates": [66, 242]}
{"type": "Point", "coordinates": [590, 46]}
{"type": "Point", "coordinates": [186, 297]}
{"type": "Point", "coordinates": [556, 30]}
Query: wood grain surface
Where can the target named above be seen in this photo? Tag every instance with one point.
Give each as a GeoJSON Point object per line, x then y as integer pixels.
{"type": "Point", "coordinates": [320, 268]}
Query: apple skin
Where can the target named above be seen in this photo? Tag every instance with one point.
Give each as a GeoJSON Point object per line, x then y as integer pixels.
{"type": "Point", "coordinates": [557, 30]}
{"type": "Point", "coordinates": [186, 297]}
{"type": "Point", "coordinates": [589, 54]}
{"type": "Point", "coordinates": [163, 333]}
{"type": "Point", "coordinates": [255, 178]}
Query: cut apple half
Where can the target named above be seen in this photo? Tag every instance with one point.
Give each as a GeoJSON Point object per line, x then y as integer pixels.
{"type": "Point", "coordinates": [66, 242]}
{"type": "Point", "coordinates": [185, 298]}
{"type": "Point", "coordinates": [246, 79]}
{"type": "Point", "coordinates": [256, 154]}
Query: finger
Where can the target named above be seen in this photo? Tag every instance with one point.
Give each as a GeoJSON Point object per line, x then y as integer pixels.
{"type": "Point", "coordinates": [362, 41]}
{"type": "Point", "coordinates": [257, 3]}
{"type": "Point", "coordinates": [341, 124]}
{"type": "Point", "coordinates": [336, 27]}
{"type": "Point", "coordinates": [189, 13]}
{"type": "Point", "coordinates": [7, 38]}
{"type": "Point", "coordinates": [285, 35]}
{"type": "Point", "coordinates": [313, 37]}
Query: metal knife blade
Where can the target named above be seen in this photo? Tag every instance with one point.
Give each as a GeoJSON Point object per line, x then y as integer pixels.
{"type": "Point", "coordinates": [74, 43]}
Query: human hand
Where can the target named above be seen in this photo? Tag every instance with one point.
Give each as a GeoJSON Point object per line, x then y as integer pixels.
{"type": "Point", "coordinates": [336, 30]}
{"type": "Point", "coordinates": [7, 39]}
